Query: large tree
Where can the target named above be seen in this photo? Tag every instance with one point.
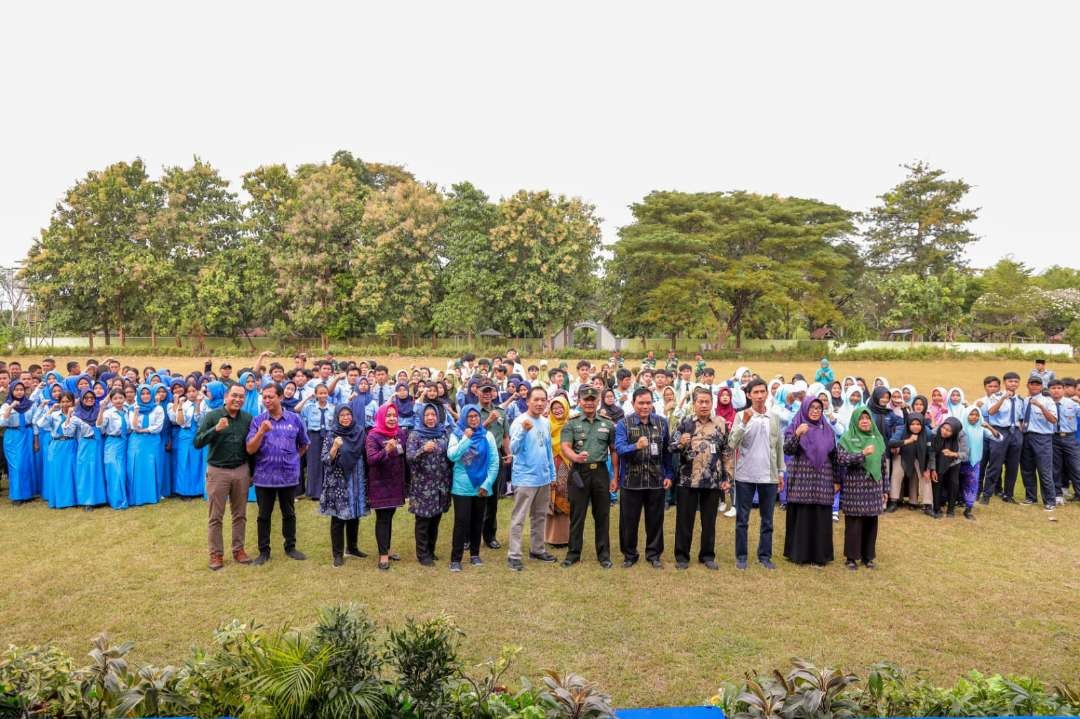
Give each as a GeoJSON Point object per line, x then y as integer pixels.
{"type": "Point", "coordinates": [548, 247]}
{"type": "Point", "coordinates": [920, 226]}
{"type": "Point", "coordinates": [397, 266]}
{"type": "Point", "coordinates": [311, 261]}
{"type": "Point", "coordinates": [471, 278]}
{"type": "Point", "coordinates": [742, 250]}
{"type": "Point", "coordinates": [93, 267]}
{"type": "Point", "coordinates": [932, 307]}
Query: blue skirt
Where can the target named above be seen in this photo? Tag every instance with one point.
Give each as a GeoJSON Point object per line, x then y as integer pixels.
{"type": "Point", "coordinates": [89, 474]}
{"type": "Point", "coordinates": [164, 476]}
{"type": "Point", "coordinates": [144, 469]}
{"type": "Point", "coordinates": [115, 465]}
{"type": "Point", "coordinates": [59, 484]}
{"type": "Point", "coordinates": [22, 466]}
{"type": "Point", "coordinates": [189, 479]}
{"type": "Point", "coordinates": [40, 458]}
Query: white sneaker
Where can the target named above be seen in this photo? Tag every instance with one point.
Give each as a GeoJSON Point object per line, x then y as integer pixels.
{"type": "Point", "coordinates": [1059, 501]}
{"type": "Point", "coordinates": [730, 512]}
{"type": "Point", "coordinates": [836, 516]}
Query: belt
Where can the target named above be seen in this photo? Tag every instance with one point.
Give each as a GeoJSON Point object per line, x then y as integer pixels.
{"type": "Point", "coordinates": [61, 439]}
{"type": "Point", "coordinates": [589, 465]}
{"type": "Point", "coordinates": [1065, 434]}
{"type": "Point", "coordinates": [1004, 427]}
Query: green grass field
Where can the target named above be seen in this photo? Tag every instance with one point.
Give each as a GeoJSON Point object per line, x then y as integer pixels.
{"type": "Point", "coordinates": [1001, 593]}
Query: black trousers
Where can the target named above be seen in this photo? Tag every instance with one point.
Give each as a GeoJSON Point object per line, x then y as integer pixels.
{"type": "Point", "coordinates": [1067, 464]}
{"type": "Point", "coordinates": [343, 533]}
{"type": "Point", "coordinates": [468, 523]}
{"type": "Point", "coordinates": [632, 502]}
{"type": "Point", "coordinates": [860, 538]}
{"type": "Point", "coordinates": [384, 522]}
{"type": "Point", "coordinates": [491, 502]}
{"type": "Point", "coordinates": [950, 486]}
{"type": "Point", "coordinates": [1038, 455]}
{"type": "Point", "coordinates": [426, 534]}
{"type": "Point", "coordinates": [1004, 458]}
{"type": "Point", "coordinates": [267, 497]}
{"type": "Point", "coordinates": [594, 493]}
{"type": "Point", "coordinates": [689, 502]}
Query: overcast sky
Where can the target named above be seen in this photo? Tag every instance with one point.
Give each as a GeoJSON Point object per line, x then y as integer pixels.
{"type": "Point", "coordinates": [605, 100]}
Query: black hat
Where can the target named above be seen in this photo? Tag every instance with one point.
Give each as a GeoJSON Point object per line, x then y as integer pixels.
{"type": "Point", "coordinates": [1040, 360]}
{"type": "Point", "coordinates": [1035, 379]}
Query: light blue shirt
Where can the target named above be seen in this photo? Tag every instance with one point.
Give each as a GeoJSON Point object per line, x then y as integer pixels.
{"type": "Point", "coordinates": [1067, 417]}
{"type": "Point", "coordinates": [1006, 416]}
{"type": "Point", "coordinates": [317, 418]}
{"type": "Point", "coordinates": [534, 463]}
{"type": "Point", "coordinates": [337, 397]}
{"type": "Point", "coordinates": [83, 430]}
{"type": "Point", "coordinates": [14, 419]}
{"type": "Point", "coordinates": [157, 420]}
{"type": "Point", "coordinates": [54, 424]}
{"type": "Point", "coordinates": [455, 449]}
{"type": "Point", "coordinates": [111, 424]}
{"type": "Point", "coordinates": [189, 413]}
{"type": "Point", "coordinates": [387, 393]}
{"type": "Point", "coordinates": [1037, 422]}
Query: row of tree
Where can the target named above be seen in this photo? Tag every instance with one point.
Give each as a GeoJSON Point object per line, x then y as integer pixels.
{"type": "Point", "coordinates": [350, 248]}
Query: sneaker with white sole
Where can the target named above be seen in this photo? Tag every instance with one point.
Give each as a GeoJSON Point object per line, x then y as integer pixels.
{"type": "Point", "coordinates": [730, 512]}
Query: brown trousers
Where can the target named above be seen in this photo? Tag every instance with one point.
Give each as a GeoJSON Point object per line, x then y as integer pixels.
{"type": "Point", "coordinates": [232, 485]}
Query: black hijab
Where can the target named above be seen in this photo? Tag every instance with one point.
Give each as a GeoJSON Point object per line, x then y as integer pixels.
{"type": "Point", "coordinates": [878, 413]}
{"type": "Point", "coordinates": [913, 456]}
{"type": "Point", "coordinates": [352, 439]}
{"type": "Point", "coordinates": [952, 443]}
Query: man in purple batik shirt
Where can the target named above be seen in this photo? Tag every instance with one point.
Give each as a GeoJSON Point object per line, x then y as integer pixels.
{"type": "Point", "coordinates": [277, 439]}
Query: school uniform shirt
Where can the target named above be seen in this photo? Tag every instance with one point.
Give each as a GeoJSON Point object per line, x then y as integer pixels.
{"type": "Point", "coordinates": [1068, 412]}
{"type": "Point", "coordinates": [189, 414]}
{"type": "Point", "coordinates": [113, 423]}
{"type": "Point", "coordinates": [383, 393]}
{"type": "Point", "coordinates": [157, 420]}
{"type": "Point", "coordinates": [1034, 420]}
{"type": "Point", "coordinates": [1009, 415]}
{"type": "Point", "coordinates": [316, 418]}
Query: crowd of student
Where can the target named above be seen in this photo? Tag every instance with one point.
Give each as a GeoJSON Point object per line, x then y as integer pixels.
{"type": "Point", "coordinates": [359, 440]}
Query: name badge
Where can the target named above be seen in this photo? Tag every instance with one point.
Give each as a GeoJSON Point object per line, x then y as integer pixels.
{"type": "Point", "coordinates": [654, 450]}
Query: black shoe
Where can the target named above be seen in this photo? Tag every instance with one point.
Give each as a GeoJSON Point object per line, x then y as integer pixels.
{"type": "Point", "coordinates": [711, 564]}
{"type": "Point", "coordinates": [384, 566]}
{"type": "Point", "coordinates": [929, 512]}
{"type": "Point", "coordinates": [567, 563]}
{"type": "Point", "coordinates": [515, 565]}
{"type": "Point", "coordinates": [543, 557]}
{"type": "Point", "coordinates": [455, 566]}
{"type": "Point", "coordinates": [476, 561]}
{"type": "Point", "coordinates": [851, 564]}
{"type": "Point", "coordinates": [740, 564]}
{"type": "Point", "coordinates": [262, 559]}
{"type": "Point", "coordinates": [968, 515]}
{"type": "Point", "coordinates": [869, 564]}
{"type": "Point", "coordinates": [605, 564]}
{"type": "Point", "coordinates": [656, 564]}
{"type": "Point", "coordinates": [355, 552]}
{"type": "Point", "coordinates": [627, 563]}
{"type": "Point", "coordinates": [951, 514]}
{"type": "Point", "coordinates": [493, 544]}
{"type": "Point", "coordinates": [682, 565]}
{"type": "Point", "coordinates": [985, 499]}
{"type": "Point", "coordinates": [339, 560]}
{"type": "Point", "coordinates": [767, 563]}
{"type": "Point", "coordinates": [1009, 500]}
{"type": "Point", "coordinates": [890, 507]}
{"type": "Point", "coordinates": [295, 554]}
{"type": "Point", "coordinates": [394, 557]}
{"type": "Point", "coordinates": [427, 562]}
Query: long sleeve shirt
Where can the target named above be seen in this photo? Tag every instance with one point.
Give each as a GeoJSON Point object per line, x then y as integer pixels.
{"type": "Point", "coordinates": [648, 467]}
{"type": "Point", "coordinates": [189, 414]}
{"type": "Point", "coordinates": [11, 418]}
{"type": "Point", "coordinates": [456, 450]}
{"type": "Point", "coordinates": [227, 447]}
{"type": "Point", "coordinates": [114, 423]}
{"type": "Point", "coordinates": [153, 426]}
{"type": "Point", "coordinates": [58, 426]}
{"type": "Point", "coordinates": [759, 448]}
{"type": "Point", "coordinates": [534, 463]}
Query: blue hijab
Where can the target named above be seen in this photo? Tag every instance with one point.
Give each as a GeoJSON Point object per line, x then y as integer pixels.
{"type": "Point", "coordinates": [475, 458]}
{"type": "Point", "coordinates": [72, 383]}
{"type": "Point", "coordinates": [974, 435]}
{"type": "Point", "coordinates": [428, 433]}
{"type": "Point", "coordinates": [216, 391]}
{"type": "Point", "coordinates": [145, 407]}
{"type": "Point", "coordinates": [87, 414]}
{"type": "Point", "coordinates": [251, 396]}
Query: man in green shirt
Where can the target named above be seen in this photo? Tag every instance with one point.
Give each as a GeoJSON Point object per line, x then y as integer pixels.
{"type": "Point", "coordinates": [587, 441]}
{"type": "Point", "coordinates": [494, 420]}
{"type": "Point", "coordinates": [224, 430]}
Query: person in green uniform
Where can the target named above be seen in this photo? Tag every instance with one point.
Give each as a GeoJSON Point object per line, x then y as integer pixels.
{"type": "Point", "coordinates": [672, 363]}
{"type": "Point", "coordinates": [649, 361]}
{"type": "Point", "coordinates": [493, 418]}
{"type": "Point", "coordinates": [587, 441]}
{"type": "Point", "coordinates": [699, 365]}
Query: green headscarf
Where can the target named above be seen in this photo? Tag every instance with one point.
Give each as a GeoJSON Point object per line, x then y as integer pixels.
{"type": "Point", "coordinates": [855, 440]}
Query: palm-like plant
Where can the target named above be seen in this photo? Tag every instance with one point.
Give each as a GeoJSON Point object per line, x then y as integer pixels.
{"type": "Point", "coordinates": [577, 698]}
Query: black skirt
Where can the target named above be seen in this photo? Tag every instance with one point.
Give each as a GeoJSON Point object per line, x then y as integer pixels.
{"type": "Point", "coordinates": [809, 535]}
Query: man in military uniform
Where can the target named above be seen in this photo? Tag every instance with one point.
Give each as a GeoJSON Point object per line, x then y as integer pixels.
{"type": "Point", "coordinates": [701, 441]}
{"type": "Point", "coordinates": [494, 421]}
{"type": "Point", "coordinates": [587, 441]}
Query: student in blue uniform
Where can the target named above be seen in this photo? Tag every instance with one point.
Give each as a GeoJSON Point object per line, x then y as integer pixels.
{"type": "Point", "coordinates": [19, 442]}
{"type": "Point", "coordinates": [144, 448]}
{"type": "Point", "coordinates": [164, 476]}
{"type": "Point", "coordinates": [59, 482]}
{"type": "Point", "coordinates": [189, 478]}
{"type": "Point", "coordinates": [89, 474]}
{"type": "Point", "coordinates": [113, 422]}
{"type": "Point", "coordinates": [50, 398]}
{"type": "Point", "coordinates": [317, 413]}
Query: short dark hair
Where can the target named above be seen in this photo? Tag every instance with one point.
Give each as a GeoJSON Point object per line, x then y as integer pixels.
{"type": "Point", "coordinates": [276, 388]}
{"type": "Point", "coordinates": [71, 366]}
{"type": "Point", "coordinates": [1068, 381]}
{"type": "Point", "coordinates": [532, 367]}
{"type": "Point", "coordinates": [324, 363]}
{"type": "Point", "coordinates": [684, 366]}
{"type": "Point", "coordinates": [758, 382]}
{"type": "Point", "coordinates": [382, 368]}
{"type": "Point", "coordinates": [640, 391]}
{"type": "Point", "coordinates": [990, 378]}
{"type": "Point", "coordinates": [584, 364]}
{"type": "Point", "coordinates": [1010, 375]}
{"type": "Point", "coordinates": [708, 371]}
{"type": "Point", "coordinates": [1055, 383]}
{"type": "Point", "coordinates": [622, 373]}
{"type": "Point", "coordinates": [552, 371]}
{"type": "Point", "coordinates": [536, 388]}
{"type": "Point", "coordinates": [235, 386]}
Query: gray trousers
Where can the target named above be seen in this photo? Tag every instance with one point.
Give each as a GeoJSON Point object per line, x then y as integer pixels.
{"type": "Point", "coordinates": [529, 503]}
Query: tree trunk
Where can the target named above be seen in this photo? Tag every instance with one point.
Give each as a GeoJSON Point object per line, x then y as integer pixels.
{"type": "Point", "coordinates": [434, 343]}
{"type": "Point", "coordinates": [91, 338]}
{"type": "Point", "coordinates": [324, 339]}
{"type": "Point", "coordinates": [674, 335]}
{"type": "Point", "coordinates": [178, 342]}
{"type": "Point", "coordinates": [123, 336]}
{"type": "Point", "coordinates": [252, 344]}
{"type": "Point", "coordinates": [153, 338]}
{"type": "Point", "coordinates": [201, 338]}
{"type": "Point", "coordinates": [108, 337]}
{"type": "Point", "coordinates": [549, 340]}
{"type": "Point", "coordinates": [738, 336]}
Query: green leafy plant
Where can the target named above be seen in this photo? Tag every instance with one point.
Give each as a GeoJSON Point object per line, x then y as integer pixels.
{"type": "Point", "coordinates": [424, 658]}
{"type": "Point", "coordinates": [577, 698]}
